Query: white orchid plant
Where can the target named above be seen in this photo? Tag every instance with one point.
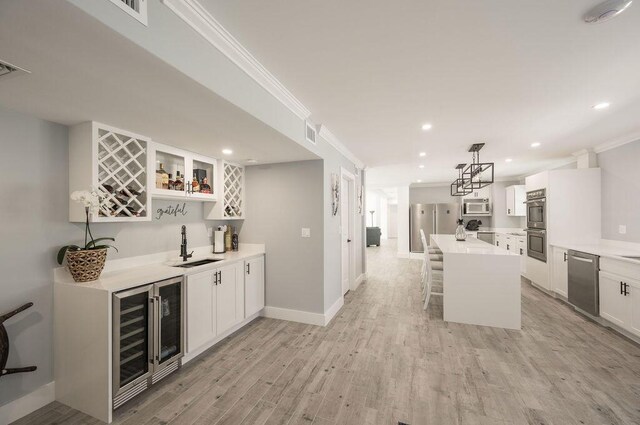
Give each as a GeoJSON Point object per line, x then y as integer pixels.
{"type": "Point", "coordinates": [90, 199]}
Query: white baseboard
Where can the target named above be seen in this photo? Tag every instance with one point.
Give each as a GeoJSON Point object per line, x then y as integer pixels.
{"type": "Point", "coordinates": [403, 254]}
{"type": "Point", "coordinates": [360, 279]}
{"type": "Point", "coordinates": [21, 407]}
{"type": "Point", "coordinates": [195, 353]}
{"type": "Point", "coordinates": [294, 315]}
{"type": "Point", "coordinates": [333, 310]}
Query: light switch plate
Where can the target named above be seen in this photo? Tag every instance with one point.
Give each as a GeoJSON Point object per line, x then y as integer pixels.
{"type": "Point", "coordinates": [622, 229]}
{"type": "Point", "coordinates": [306, 232]}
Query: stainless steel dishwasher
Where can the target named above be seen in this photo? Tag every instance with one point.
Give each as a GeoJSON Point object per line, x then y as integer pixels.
{"type": "Point", "coordinates": [489, 237]}
{"type": "Point", "coordinates": [583, 281]}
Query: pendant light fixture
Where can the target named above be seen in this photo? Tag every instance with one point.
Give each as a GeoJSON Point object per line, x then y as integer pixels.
{"type": "Point", "coordinates": [477, 174]}
{"type": "Point", "coordinates": [457, 187]}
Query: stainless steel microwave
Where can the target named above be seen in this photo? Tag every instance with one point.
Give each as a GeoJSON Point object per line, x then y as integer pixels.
{"type": "Point", "coordinates": [476, 207]}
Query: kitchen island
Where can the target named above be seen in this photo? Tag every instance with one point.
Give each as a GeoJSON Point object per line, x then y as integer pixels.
{"type": "Point", "coordinates": [481, 283]}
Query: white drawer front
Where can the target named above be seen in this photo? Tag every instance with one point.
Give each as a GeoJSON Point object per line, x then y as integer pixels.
{"type": "Point", "coordinates": [625, 269]}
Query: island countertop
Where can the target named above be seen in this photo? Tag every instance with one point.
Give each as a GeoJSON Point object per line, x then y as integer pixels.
{"type": "Point", "coordinates": [449, 245]}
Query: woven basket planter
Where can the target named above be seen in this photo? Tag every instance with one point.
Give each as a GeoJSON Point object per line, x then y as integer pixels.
{"type": "Point", "coordinates": [86, 265]}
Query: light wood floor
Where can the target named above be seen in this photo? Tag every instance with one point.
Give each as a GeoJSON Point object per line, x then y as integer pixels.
{"type": "Point", "coordinates": [384, 360]}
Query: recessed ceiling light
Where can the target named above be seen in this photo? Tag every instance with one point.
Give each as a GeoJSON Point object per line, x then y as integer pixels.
{"type": "Point", "coordinates": [423, 154]}
{"type": "Point", "coordinates": [419, 181]}
{"type": "Point", "coordinates": [426, 126]}
{"type": "Point", "coordinates": [508, 160]}
{"type": "Point", "coordinates": [251, 161]}
{"type": "Point", "coordinates": [420, 166]}
{"type": "Point", "coordinates": [601, 105]}
{"type": "Point", "coordinates": [227, 151]}
{"type": "Point", "coordinates": [535, 145]}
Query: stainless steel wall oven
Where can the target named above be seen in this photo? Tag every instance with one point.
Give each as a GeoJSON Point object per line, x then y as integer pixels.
{"type": "Point", "coordinates": [537, 224]}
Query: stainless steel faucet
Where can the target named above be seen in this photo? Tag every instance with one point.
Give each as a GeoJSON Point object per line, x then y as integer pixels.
{"type": "Point", "coordinates": [183, 245]}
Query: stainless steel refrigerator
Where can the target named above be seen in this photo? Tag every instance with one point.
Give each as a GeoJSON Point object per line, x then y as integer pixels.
{"type": "Point", "coordinates": [432, 219]}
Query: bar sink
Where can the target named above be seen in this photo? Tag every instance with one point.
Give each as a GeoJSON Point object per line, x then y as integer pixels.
{"type": "Point", "coordinates": [197, 263]}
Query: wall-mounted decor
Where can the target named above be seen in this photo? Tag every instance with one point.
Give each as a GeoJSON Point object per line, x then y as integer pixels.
{"type": "Point", "coordinates": [335, 193]}
{"type": "Point", "coordinates": [172, 210]}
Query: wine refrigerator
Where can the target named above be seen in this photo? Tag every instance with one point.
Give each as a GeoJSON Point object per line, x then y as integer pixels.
{"type": "Point", "coordinates": [148, 337]}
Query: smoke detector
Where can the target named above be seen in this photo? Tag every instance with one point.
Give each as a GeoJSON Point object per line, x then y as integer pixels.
{"type": "Point", "coordinates": [9, 70]}
{"type": "Point", "coordinates": [606, 10]}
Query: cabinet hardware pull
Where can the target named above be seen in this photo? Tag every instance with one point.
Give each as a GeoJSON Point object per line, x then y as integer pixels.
{"type": "Point", "coordinates": [215, 278]}
{"type": "Point", "coordinates": [621, 288]}
{"type": "Point", "coordinates": [507, 247]}
{"type": "Point", "coordinates": [521, 251]}
{"type": "Point", "coordinates": [565, 257]}
{"type": "Point", "coordinates": [248, 268]}
{"type": "Point", "coordinates": [625, 289]}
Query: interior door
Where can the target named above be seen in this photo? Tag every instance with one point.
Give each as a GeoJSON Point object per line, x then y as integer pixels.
{"type": "Point", "coordinates": [201, 314]}
{"type": "Point", "coordinates": [346, 218]}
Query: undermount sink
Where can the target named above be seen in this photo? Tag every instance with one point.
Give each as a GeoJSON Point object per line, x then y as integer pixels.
{"type": "Point", "coordinates": [197, 263]}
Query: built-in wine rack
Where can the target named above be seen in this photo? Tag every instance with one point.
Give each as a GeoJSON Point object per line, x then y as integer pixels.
{"type": "Point", "coordinates": [122, 174]}
{"type": "Point", "coordinates": [233, 186]}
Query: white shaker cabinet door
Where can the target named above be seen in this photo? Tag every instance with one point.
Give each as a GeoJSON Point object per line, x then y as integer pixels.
{"type": "Point", "coordinates": [230, 296]}
{"type": "Point", "coordinates": [634, 304]}
{"type": "Point", "coordinates": [201, 309]}
{"type": "Point", "coordinates": [560, 273]}
{"type": "Point", "coordinates": [254, 286]}
{"type": "Point", "coordinates": [614, 305]}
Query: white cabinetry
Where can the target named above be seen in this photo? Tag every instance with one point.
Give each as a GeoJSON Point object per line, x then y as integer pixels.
{"type": "Point", "coordinates": [254, 286]}
{"type": "Point", "coordinates": [614, 305]}
{"type": "Point", "coordinates": [231, 194]}
{"type": "Point", "coordinates": [485, 192]}
{"type": "Point", "coordinates": [560, 271]}
{"type": "Point", "coordinates": [189, 165]}
{"type": "Point", "coordinates": [215, 303]}
{"type": "Point", "coordinates": [522, 250]}
{"type": "Point", "coordinates": [501, 240]}
{"type": "Point", "coordinates": [620, 294]}
{"type": "Point", "coordinates": [115, 163]}
{"type": "Point", "coordinates": [516, 195]}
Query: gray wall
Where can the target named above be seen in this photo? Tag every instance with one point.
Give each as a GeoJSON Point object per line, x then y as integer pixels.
{"type": "Point", "coordinates": [442, 194]}
{"type": "Point", "coordinates": [620, 189]}
{"type": "Point", "coordinates": [333, 162]}
{"type": "Point", "coordinates": [281, 199]}
{"type": "Point", "coordinates": [34, 224]}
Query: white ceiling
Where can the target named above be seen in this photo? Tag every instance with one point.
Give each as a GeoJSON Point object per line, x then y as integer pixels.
{"type": "Point", "coordinates": [81, 70]}
{"type": "Point", "coordinates": [502, 72]}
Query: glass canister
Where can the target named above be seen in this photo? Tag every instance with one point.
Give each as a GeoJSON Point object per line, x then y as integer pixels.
{"type": "Point", "coordinates": [461, 234]}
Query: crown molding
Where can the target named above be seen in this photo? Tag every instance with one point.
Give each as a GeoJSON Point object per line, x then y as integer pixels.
{"type": "Point", "coordinates": [615, 143]}
{"type": "Point", "coordinates": [337, 145]}
{"type": "Point", "coordinates": [198, 18]}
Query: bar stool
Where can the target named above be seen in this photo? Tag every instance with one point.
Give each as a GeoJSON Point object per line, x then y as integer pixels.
{"type": "Point", "coordinates": [432, 276]}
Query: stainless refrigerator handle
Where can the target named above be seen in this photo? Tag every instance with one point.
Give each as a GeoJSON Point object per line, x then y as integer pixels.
{"type": "Point", "coordinates": [151, 341]}
{"type": "Point", "coordinates": [159, 330]}
{"type": "Point", "coordinates": [586, 260]}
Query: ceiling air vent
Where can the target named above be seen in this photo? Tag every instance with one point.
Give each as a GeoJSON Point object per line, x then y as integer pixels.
{"type": "Point", "coordinates": [8, 70]}
{"type": "Point", "coordinates": [135, 8]}
{"type": "Point", "coordinates": [310, 133]}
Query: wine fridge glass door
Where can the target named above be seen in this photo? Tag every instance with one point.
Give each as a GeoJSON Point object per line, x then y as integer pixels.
{"type": "Point", "coordinates": [169, 296]}
{"type": "Point", "coordinates": [132, 337]}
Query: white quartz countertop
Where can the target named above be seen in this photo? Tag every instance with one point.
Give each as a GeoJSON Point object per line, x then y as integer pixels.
{"type": "Point", "coordinates": [121, 278]}
{"type": "Point", "coordinates": [605, 248]}
{"type": "Point", "coordinates": [504, 230]}
{"type": "Point", "coordinates": [449, 245]}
